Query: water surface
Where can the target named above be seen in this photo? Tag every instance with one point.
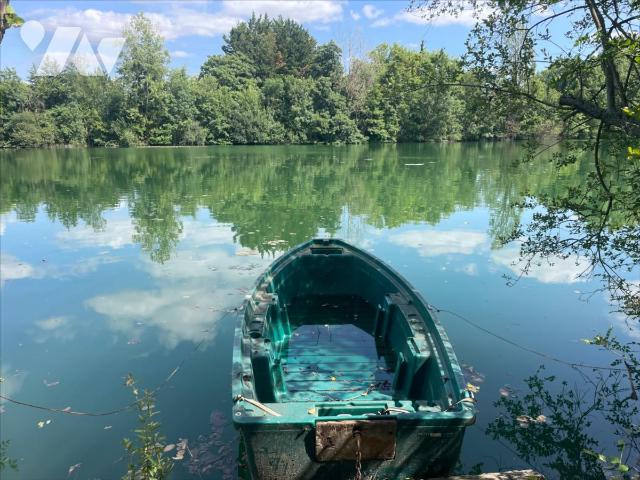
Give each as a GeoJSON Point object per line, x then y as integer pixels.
{"type": "Point", "coordinates": [118, 261]}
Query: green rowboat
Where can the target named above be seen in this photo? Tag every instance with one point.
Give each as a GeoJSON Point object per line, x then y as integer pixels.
{"type": "Point", "coordinates": [341, 370]}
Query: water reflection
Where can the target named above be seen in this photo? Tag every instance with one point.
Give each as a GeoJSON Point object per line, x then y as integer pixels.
{"type": "Point", "coordinates": [117, 261]}
{"type": "Point", "coordinates": [272, 196]}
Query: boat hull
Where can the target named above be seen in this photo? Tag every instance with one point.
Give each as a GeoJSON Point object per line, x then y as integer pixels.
{"type": "Point", "coordinates": [341, 366]}
{"type": "Point", "coordinates": [288, 452]}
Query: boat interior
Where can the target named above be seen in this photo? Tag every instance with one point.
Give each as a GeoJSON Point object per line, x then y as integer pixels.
{"type": "Point", "coordinates": [330, 325]}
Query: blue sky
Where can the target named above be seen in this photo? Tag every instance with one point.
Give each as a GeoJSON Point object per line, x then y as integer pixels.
{"type": "Point", "coordinates": [194, 29]}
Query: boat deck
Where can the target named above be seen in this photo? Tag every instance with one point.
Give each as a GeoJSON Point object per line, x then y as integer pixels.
{"type": "Point", "coordinates": [330, 355]}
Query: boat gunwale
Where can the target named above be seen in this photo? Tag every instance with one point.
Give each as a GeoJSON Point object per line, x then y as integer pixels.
{"type": "Point", "coordinates": [462, 416]}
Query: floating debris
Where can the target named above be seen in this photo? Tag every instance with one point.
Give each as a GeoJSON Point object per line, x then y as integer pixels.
{"type": "Point", "coordinates": [108, 427]}
{"type": "Point", "coordinates": [42, 423]}
{"type": "Point", "coordinates": [506, 391]}
{"type": "Point", "coordinates": [525, 420]}
{"type": "Point", "coordinates": [133, 341]}
{"type": "Point", "coordinates": [414, 164]}
{"type": "Point", "coordinates": [181, 449]}
{"type": "Point", "coordinates": [51, 384]}
{"type": "Point", "coordinates": [471, 374]}
{"type": "Point", "coordinates": [473, 388]}
{"type": "Point", "coordinates": [168, 448]}
{"type": "Point", "coordinates": [275, 243]}
{"type": "Point", "coordinates": [245, 252]}
{"type": "Point", "coordinates": [73, 468]}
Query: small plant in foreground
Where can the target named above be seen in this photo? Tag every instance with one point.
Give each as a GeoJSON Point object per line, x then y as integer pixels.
{"type": "Point", "coordinates": [5, 461]}
{"type": "Point", "coordinates": [147, 460]}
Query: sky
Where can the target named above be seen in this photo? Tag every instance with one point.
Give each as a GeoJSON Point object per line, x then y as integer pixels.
{"type": "Point", "coordinates": [193, 30]}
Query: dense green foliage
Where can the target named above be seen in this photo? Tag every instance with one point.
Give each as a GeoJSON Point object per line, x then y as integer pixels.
{"type": "Point", "coordinates": [273, 84]}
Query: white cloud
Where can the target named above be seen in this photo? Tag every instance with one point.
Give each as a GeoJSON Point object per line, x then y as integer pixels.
{"type": "Point", "coordinates": [383, 22]}
{"type": "Point", "coordinates": [179, 54]}
{"type": "Point", "coordinates": [470, 269]}
{"type": "Point", "coordinates": [371, 11]}
{"type": "Point", "coordinates": [185, 304]}
{"type": "Point", "coordinates": [52, 323]}
{"type": "Point", "coordinates": [467, 17]}
{"type": "Point", "coordinates": [323, 11]}
{"type": "Point", "coordinates": [354, 15]}
{"type": "Point", "coordinates": [13, 269]}
{"type": "Point", "coordinates": [432, 243]}
{"type": "Point", "coordinates": [13, 380]}
{"type": "Point", "coordinates": [53, 328]}
{"type": "Point", "coordinates": [6, 219]}
{"type": "Point", "coordinates": [98, 24]}
{"type": "Point", "coordinates": [195, 287]}
{"type": "Point", "coordinates": [181, 21]}
{"type": "Point", "coordinates": [117, 234]}
{"type": "Point", "coordinates": [548, 270]}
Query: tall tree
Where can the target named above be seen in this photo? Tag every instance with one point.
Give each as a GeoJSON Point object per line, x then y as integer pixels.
{"type": "Point", "coordinates": [279, 46]}
{"type": "Point", "coordinates": [142, 69]}
{"type": "Point", "coordinates": [597, 74]}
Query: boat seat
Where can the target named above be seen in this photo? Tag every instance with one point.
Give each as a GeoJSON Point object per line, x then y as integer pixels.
{"type": "Point", "coordinates": [400, 326]}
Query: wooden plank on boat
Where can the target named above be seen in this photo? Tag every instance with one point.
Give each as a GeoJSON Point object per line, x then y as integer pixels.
{"type": "Point", "coordinates": [511, 475]}
{"type": "Point", "coordinates": [337, 440]}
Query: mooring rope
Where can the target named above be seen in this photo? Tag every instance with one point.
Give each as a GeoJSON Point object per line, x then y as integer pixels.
{"type": "Point", "coordinates": [526, 349]}
{"type": "Point", "coordinates": [131, 405]}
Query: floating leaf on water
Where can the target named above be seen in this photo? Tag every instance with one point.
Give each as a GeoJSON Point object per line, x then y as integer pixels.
{"type": "Point", "coordinates": [473, 388]}
{"type": "Point", "coordinates": [73, 468]}
{"type": "Point", "coordinates": [541, 419]}
{"type": "Point", "coordinates": [523, 421]}
{"type": "Point", "coordinates": [169, 447]}
{"type": "Point", "coordinates": [40, 424]}
{"type": "Point", "coordinates": [181, 449]}
{"type": "Point", "coordinates": [506, 391]}
{"type": "Point", "coordinates": [311, 411]}
{"type": "Point", "coordinates": [333, 379]}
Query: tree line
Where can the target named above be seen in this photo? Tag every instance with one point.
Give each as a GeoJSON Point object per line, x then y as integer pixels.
{"type": "Point", "coordinates": [273, 84]}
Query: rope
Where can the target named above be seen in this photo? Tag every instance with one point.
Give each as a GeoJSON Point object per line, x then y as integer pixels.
{"type": "Point", "coordinates": [257, 404]}
{"type": "Point", "coordinates": [527, 349]}
{"type": "Point", "coordinates": [126, 407]}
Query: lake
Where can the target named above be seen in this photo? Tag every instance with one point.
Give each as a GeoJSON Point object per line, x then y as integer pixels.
{"type": "Point", "coordinates": [118, 261]}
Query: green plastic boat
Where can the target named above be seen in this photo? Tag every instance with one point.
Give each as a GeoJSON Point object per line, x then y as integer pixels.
{"type": "Point", "coordinates": [341, 370]}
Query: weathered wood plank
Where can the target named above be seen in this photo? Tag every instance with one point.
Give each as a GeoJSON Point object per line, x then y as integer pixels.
{"type": "Point", "coordinates": [511, 475]}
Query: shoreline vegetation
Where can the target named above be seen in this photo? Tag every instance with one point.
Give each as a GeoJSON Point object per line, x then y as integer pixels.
{"type": "Point", "coordinates": [273, 84]}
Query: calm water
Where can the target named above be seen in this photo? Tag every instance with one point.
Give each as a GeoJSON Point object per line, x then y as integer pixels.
{"type": "Point", "coordinates": [118, 261]}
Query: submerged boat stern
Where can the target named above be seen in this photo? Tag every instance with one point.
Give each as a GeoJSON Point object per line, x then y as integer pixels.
{"type": "Point", "coordinates": [340, 368]}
